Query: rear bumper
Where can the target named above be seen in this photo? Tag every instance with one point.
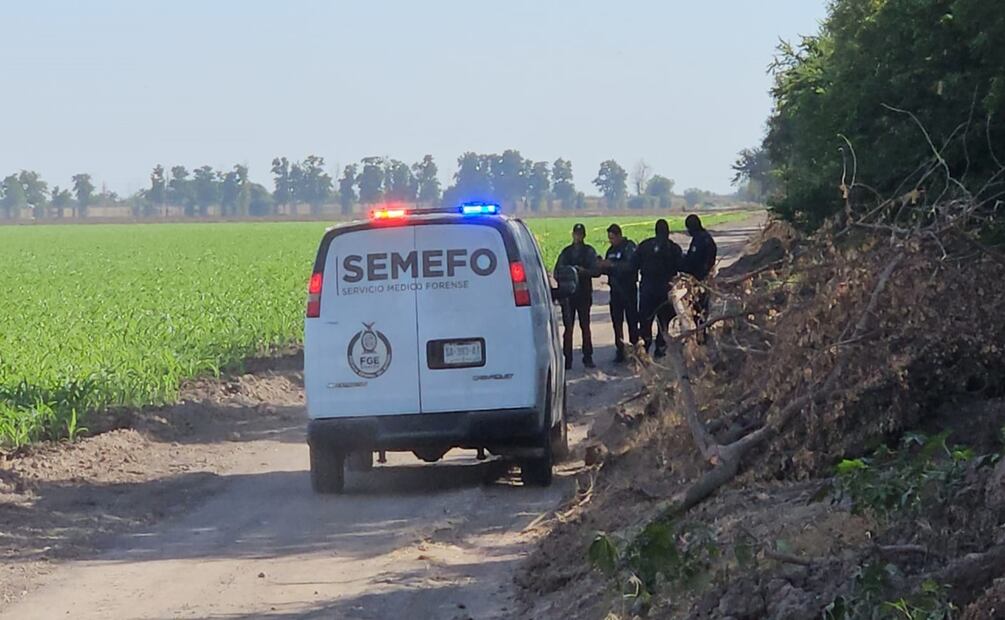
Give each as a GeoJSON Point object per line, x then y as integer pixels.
{"type": "Point", "coordinates": [473, 429]}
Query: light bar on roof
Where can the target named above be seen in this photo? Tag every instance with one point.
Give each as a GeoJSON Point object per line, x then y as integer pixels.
{"type": "Point", "coordinates": [388, 214]}
{"type": "Point", "coordinates": [479, 208]}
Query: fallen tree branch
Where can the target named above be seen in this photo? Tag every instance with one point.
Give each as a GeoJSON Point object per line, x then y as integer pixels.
{"type": "Point", "coordinates": [993, 254]}
{"type": "Point", "coordinates": [751, 274]}
{"type": "Point", "coordinates": [640, 394]}
{"type": "Point", "coordinates": [708, 483]}
{"type": "Point", "coordinates": [787, 558]}
{"type": "Point", "coordinates": [893, 550]}
{"type": "Point", "coordinates": [735, 432]}
{"type": "Point", "coordinates": [742, 349]}
{"type": "Point", "coordinates": [705, 442]}
{"type": "Point", "coordinates": [882, 550]}
{"type": "Point", "coordinates": [936, 152]}
{"type": "Point", "coordinates": [971, 573]}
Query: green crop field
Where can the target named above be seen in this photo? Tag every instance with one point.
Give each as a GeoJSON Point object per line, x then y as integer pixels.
{"type": "Point", "coordinates": [106, 315]}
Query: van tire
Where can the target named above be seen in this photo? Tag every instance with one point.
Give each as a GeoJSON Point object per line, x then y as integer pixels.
{"type": "Point", "coordinates": [360, 461]}
{"type": "Point", "coordinates": [538, 472]}
{"type": "Point", "coordinates": [327, 470]}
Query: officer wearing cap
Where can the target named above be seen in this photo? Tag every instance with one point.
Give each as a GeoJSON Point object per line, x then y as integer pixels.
{"type": "Point", "coordinates": [623, 278]}
{"type": "Point", "coordinates": [583, 258]}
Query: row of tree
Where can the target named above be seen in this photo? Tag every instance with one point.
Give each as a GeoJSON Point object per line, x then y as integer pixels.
{"type": "Point", "coordinates": [509, 178]}
{"type": "Point", "coordinates": [203, 189]}
{"type": "Point", "coordinates": [28, 190]}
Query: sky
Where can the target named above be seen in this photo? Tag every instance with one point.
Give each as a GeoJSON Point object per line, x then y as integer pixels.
{"type": "Point", "coordinates": [114, 87]}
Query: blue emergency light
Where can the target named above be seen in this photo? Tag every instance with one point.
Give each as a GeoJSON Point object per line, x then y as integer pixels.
{"type": "Point", "coordinates": [479, 208]}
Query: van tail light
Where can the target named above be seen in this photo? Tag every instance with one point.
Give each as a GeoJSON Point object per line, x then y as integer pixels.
{"type": "Point", "coordinates": [314, 295]}
{"type": "Point", "coordinates": [521, 292]}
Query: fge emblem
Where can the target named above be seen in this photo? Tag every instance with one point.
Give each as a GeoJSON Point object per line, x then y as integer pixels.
{"type": "Point", "coordinates": [369, 352]}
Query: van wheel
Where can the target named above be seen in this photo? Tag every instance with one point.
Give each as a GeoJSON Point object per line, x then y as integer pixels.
{"type": "Point", "coordinates": [360, 461]}
{"type": "Point", "coordinates": [327, 470]}
{"type": "Point", "coordinates": [537, 472]}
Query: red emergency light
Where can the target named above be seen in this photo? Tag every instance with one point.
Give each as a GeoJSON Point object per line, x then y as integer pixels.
{"type": "Point", "coordinates": [388, 213]}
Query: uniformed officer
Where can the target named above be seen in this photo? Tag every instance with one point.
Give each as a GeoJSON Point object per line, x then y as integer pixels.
{"type": "Point", "coordinates": [584, 258]}
{"type": "Point", "coordinates": [622, 277]}
{"type": "Point", "coordinates": [699, 262]}
{"type": "Point", "coordinates": [659, 260]}
{"type": "Point", "coordinates": [700, 257]}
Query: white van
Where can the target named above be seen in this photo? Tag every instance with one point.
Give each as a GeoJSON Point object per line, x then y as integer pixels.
{"type": "Point", "coordinates": [428, 330]}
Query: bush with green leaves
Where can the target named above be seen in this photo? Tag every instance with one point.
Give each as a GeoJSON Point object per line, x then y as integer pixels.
{"type": "Point", "coordinates": [867, 598]}
{"type": "Point", "coordinates": [681, 553]}
{"type": "Point", "coordinates": [924, 472]}
{"type": "Point", "coordinates": [941, 60]}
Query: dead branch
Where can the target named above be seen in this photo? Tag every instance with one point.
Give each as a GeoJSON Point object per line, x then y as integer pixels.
{"type": "Point", "coordinates": [845, 188]}
{"type": "Point", "coordinates": [735, 432]}
{"type": "Point", "coordinates": [708, 483]}
{"type": "Point", "coordinates": [634, 397]}
{"type": "Point", "coordinates": [703, 325]}
{"type": "Point", "coordinates": [705, 442]}
{"type": "Point", "coordinates": [787, 558]}
{"type": "Point", "coordinates": [993, 254]}
{"type": "Point", "coordinates": [886, 551]}
{"type": "Point", "coordinates": [751, 274]}
{"type": "Point", "coordinates": [877, 291]}
{"type": "Point", "coordinates": [972, 572]}
{"type": "Point", "coordinates": [895, 550]}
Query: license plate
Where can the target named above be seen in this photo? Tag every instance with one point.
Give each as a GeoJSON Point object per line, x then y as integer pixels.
{"type": "Point", "coordinates": [455, 353]}
{"type": "Point", "coordinates": [462, 353]}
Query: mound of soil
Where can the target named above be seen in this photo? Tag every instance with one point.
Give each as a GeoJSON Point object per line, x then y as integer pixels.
{"type": "Point", "coordinates": [924, 351]}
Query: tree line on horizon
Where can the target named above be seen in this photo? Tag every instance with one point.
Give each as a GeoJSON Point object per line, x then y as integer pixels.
{"type": "Point", "coordinates": [518, 183]}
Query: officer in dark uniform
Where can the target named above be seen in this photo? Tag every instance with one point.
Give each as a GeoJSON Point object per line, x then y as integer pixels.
{"type": "Point", "coordinates": [699, 262]}
{"type": "Point", "coordinates": [622, 277]}
{"type": "Point", "coordinates": [658, 259]}
{"type": "Point", "coordinates": [700, 258]}
{"type": "Point", "coordinates": [584, 258]}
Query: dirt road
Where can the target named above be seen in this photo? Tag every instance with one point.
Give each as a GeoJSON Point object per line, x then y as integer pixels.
{"type": "Point", "coordinates": [248, 539]}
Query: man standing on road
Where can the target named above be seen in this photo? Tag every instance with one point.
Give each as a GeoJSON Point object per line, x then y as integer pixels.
{"type": "Point", "coordinates": [622, 277]}
{"type": "Point", "coordinates": [658, 259]}
{"type": "Point", "coordinates": [584, 259]}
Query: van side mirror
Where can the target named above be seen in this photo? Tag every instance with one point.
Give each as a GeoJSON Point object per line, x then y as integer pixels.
{"type": "Point", "coordinates": [568, 280]}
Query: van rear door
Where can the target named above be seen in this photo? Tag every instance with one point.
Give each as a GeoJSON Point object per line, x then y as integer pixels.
{"type": "Point", "coordinates": [476, 349]}
{"type": "Point", "coordinates": [360, 354]}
